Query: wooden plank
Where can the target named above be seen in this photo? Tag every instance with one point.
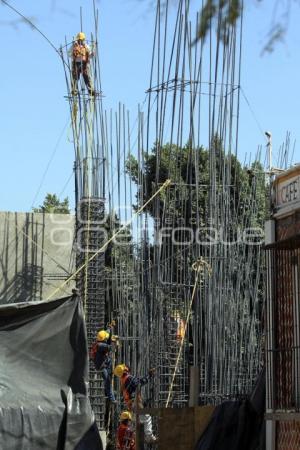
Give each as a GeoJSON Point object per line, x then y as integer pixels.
{"type": "Point", "coordinates": [202, 417]}
{"type": "Point", "coordinates": [180, 428]}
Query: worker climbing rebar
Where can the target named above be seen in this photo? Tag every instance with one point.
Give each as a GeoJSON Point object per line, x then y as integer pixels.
{"type": "Point", "coordinates": [101, 355]}
{"type": "Point", "coordinates": [133, 399]}
{"type": "Point", "coordinates": [125, 432]}
{"type": "Point", "coordinates": [81, 54]}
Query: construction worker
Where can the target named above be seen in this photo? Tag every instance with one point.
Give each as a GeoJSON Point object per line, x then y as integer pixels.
{"type": "Point", "coordinates": [129, 386]}
{"type": "Point", "coordinates": [101, 355]}
{"type": "Point", "coordinates": [125, 433]}
{"type": "Point", "coordinates": [81, 54]}
{"type": "Point", "coordinates": [179, 324]}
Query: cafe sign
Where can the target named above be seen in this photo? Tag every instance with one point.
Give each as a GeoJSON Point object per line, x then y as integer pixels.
{"type": "Point", "coordinates": [287, 191]}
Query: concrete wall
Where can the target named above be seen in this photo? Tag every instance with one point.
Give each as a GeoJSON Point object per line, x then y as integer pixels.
{"type": "Point", "coordinates": [35, 255]}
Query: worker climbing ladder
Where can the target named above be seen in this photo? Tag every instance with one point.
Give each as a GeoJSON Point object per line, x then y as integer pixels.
{"type": "Point", "coordinates": [171, 338]}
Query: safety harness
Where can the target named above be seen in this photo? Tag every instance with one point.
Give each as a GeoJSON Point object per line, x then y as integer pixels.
{"type": "Point", "coordinates": [80, 52]}
{"type": "Point", "coordinates": [126, 439]}
{"type": "Point", "coordinates": [129, 398]}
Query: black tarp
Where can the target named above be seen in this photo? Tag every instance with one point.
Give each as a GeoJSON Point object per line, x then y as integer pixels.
{"type": "Point", "coordinates": [237, 425]}
{"type": "Point", "coordinates": [43, 378]}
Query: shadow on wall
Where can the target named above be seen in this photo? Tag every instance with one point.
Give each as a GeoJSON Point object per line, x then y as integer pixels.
{"type": "Point", "coordinates": [21, 261]}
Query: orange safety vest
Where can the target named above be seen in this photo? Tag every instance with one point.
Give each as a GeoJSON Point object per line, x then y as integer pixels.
{"type": "Point", "coordinates": [125, 438]}
{"type": "Point", "coordinates": [125, 393]}
{"type": "Point", "coordinates": [80, 52]}
{"type": "Point", "coordinates": [127, 399]}
{"type": "Point", "coordinates": [93, 351]}
{"type": "Point", "coordinates": [180, 332]}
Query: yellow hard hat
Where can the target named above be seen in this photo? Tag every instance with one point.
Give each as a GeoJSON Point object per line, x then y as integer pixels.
{"type": "Point", "coordinates": [119, 370]}
{"type": "Point", "coordinates": [126, 415]}
{"type": "Point", "coordinates": [80, 36]}
{"type": "Point", "coordinates": [102, 335]}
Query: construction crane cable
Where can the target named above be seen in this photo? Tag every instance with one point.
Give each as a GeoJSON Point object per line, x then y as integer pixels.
{"type": "Point", "coordinates": [49, 162]}
{"type": "Point", "coordinates": [32, 25]}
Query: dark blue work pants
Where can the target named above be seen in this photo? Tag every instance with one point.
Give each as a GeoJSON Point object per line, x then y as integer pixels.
{"type": "Point", "coordinates": [106, 373]}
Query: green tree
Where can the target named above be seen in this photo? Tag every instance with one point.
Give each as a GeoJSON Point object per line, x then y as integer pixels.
{"type": "Point", "coordinates": [225, 13]}
{"type": "Point", "coordinates": [193, 172]}
{"type": "Point", "coordinates": [209, 188]}
{"type": "Point", "coordinates": [52, 204]}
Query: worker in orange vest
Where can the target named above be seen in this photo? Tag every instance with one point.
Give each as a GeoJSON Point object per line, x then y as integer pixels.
{"type": "Point", "coordinates": [180, 325]}
{"type": "Point", "coordinates": [125, 433]}
{"type": "Point", "coordinates": [81, 54]}
{"type": "Point", "coordinates": [129, 386]}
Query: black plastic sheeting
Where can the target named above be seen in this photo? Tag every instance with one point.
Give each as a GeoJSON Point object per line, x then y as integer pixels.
{"type": "Point", "coordinates": [237, 425]}
{"type": "Point", "coordinates": [43, 378]}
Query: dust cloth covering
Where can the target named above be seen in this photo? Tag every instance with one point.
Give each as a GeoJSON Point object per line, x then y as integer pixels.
{"type": "Point", "coordinates": [43, 378]}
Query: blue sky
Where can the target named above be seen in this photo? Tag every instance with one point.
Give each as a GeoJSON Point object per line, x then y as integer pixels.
{"type": "Point", "coordinates": [35, 114]}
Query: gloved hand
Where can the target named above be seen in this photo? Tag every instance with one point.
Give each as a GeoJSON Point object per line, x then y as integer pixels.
{"type": "Point", "coordinates": [112, 324]}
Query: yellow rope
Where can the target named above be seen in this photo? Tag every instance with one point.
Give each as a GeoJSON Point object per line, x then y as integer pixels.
{"type": "Point", "coordinates": [199, 266]}
{"type": "Point", "coordinates": [166, 183]}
